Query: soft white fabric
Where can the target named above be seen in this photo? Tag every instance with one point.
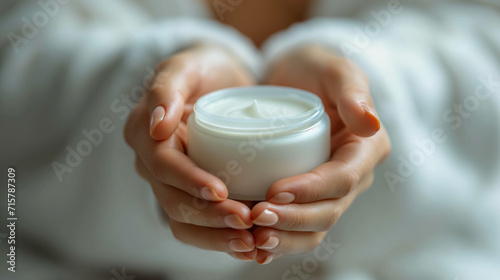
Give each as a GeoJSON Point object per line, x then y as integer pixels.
{"type": "Point", "coordinates": [442, 223]}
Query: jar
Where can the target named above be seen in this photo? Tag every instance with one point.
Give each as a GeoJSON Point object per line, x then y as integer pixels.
{"type": "Point", "coordinates": [250, 137]}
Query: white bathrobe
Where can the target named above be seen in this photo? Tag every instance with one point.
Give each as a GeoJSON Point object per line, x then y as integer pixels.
{"type": "Point", "coordinates": [72, 75]}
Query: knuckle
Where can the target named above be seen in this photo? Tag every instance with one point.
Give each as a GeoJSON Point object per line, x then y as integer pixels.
{"type": "Point", "coordinates": [370, 178]}
{"type": "Point", "coordinates": [337, 66]}
{"type": "Point", "coordinates": [387, 147]}
{"type": "Point", "coordinates": [283, 246]}
{"type": "Point", "coordinates": [177, 231]}
{"type": "Point", "coordinates": [331, 220]}
{"type": "Point", "coordinates": [162, 72]}
{"type": "Point", "coordinates": [165, 64]}
{"type": "Point", "coordinates": [158, 86]}
{"type": "Point", "coordinates": [227, 234]}
{"type": "Point", "coordinates": [297, 221]}
{"type": "Point", "coordinates": [156, 168]}
{"type": "Point", "coordinates": [352, 178]}
{"type": "Point", "coordinates": [365, 77]}
{"type": "Point", "coordinates": [354, 68]}
{"type": "Point", "coordinates": [161, 66]}
{"type": "Point", "coordinates": [130, 127]}
{"type": "Point", "coordinates": [317, 239]}
{"type": "Point", "coordinates": [175, 61]}
{"type": "Point", "coordinates": [179, 210]}
{"type": "Point", "coordinates": [327, 224]}
{"type": "Point", "coordinates": [319, 182]}
{"type": "Point", "coordinates": [170, 209]}
{"type": "Point", "coordinates": [207, 221]}
{"type": "Point", "coordinates": [138, 168]}
{"type": "Point", "coordinates": [332, 69]}
{"type": "Point", "coordinates": [126, 133]}
{"type": "Point", "coordinates": [367, 181]}
{"type": "Point", "coordinates": [311, 247]}
{"type": "Point", "coordinates": [353, 91]}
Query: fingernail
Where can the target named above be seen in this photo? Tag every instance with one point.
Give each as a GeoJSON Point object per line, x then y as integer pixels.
{"type": "Point", "coordinates": [266, 218]}
{"type": "Point", "coordinates": [271, 243]}
{"type": "Point", "coordinates": [283, 198]}
{"type": "Point", "coordinates": [373, 115]}
{"type": "Point", "coordinates": [234, 221]}
{"type": "Point", "coordinates": [238, 245]}
{"type": "Point", "coordinates": [156, 117]}
{"type": "Point", "coordinates": [240, 257]}
{"type": "Point", "coordinates": [209, 194]}
{"type": "Point", "coordinates": [268, 259]}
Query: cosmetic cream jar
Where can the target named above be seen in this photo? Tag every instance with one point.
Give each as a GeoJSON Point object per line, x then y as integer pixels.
{"type": "Point", "coordinates": [250, 137]}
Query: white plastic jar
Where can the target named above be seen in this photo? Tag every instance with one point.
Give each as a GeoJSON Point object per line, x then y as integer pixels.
{"type": "Point", "coordinates": [251, 137]}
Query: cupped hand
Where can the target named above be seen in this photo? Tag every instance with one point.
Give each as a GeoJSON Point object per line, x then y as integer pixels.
{"type": "Point", "coordinates": [194, 200]}
{"type": "Point", "coordinates": [299, 210]}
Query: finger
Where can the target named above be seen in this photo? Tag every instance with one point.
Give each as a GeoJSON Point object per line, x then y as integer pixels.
{"type": "Point", "coordinates": [274, 241]}
{"type": "Point", "coordinates": [167, 163]}
{"type": "Point", "coordinates": [245, 256]}
{"type": "Point", "coordinates": [353, 161]}
{"type": "Point", "coordinates": [265, 257]}
{"type": "Point", "coordinates": [172, 167]}
{"type": "Point", "coordinates": [188, 109]}
{"type": "Point", "coordinates": [142, 170]}
{"type": "Point", "coordinates": [182, 207]}
{"type": "Point", "coordinates": [348, 88]}
{"type": "Point", "coordinates": [214, 239]}
{"type": "Point", "coordinates": [315, 216]}
{"type": "Point", "coordinates": [172, 85]}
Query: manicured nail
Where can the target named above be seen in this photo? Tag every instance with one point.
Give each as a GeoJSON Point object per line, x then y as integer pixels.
{"type": "Point", "coordinates": [156, 117]}
{"type": "Point", "coordinates": [283, 198]}
{"type": "Point", "coordinates": [268, 259]}
{"type": "Point", "coordinates": [234, 221]}
{"type": "Point", "coordinates": [240, 257]}
{"type": "Point", "coordinates": [271, 243]}
{"type": "Point", "coordinates": [373, 115]}
{"type": "Point", "coordinates": [266, 218]}
{"type": "Point", "coordinates": [209, 194]}
{"type": "Point", "coordinates": [238, 245]}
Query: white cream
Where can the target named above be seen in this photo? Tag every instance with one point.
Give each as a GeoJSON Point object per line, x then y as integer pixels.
{"type": "Point", "coordinates": [251, 137]}
{"type": "Point", "coordinates": [248, 107]}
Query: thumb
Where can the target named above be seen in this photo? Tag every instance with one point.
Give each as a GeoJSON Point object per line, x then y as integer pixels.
{"type": "Point", "coordinates": [356, 111]}
{"type": "Point", "coordinates": [348, 89]}
{"type": "Point", "coordinates": [165, 103]}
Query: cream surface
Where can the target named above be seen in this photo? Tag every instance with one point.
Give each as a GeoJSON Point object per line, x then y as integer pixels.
{"type": "Point", "coordinates": [249, 107]}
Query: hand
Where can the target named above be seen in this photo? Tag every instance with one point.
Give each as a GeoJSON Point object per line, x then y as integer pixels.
{"type": "Point", "coordinates": [300, 210]}
{"type": "Point", "coordinates": [193, 199]}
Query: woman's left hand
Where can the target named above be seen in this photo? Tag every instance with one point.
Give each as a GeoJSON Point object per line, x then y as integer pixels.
{"type": "Point", "coordinates": [299, 210]}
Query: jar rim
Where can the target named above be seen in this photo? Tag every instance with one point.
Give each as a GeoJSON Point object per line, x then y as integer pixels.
{"type": "Point", "coordinates": [236, 126]}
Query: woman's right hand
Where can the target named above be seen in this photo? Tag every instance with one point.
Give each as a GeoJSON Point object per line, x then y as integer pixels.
{"type": "Point", "coordinates": [194, 200]}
